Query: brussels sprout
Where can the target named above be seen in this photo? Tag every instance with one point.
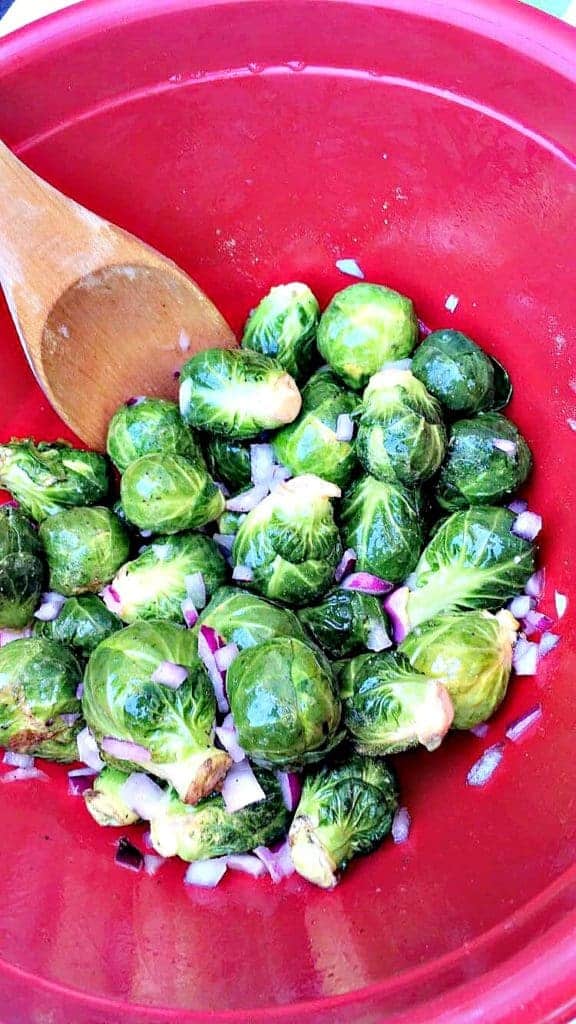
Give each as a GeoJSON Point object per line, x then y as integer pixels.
{"type": "Point", "coordinates": [237, 393]}
{"type": "Point", "coordinates": [154, 585]}
{"type": "Point", "coordinates": [84, 548]}
{"type": "Point", "coordinates": [39, 711]}
{"type": "Point", "coordinates": [209, 830]}
{"type": "Point", "coordinates": [310, 445]}
{"type": "Point", "coordinates": [290, 541]}
{"type": "Point", "coordinates": [472, 561]}
{"type": "Point", "coordinates": [284, 326]}
{"type": "Point", "coordinates": [21, 568]}
{"type": "Point", "coordinates": [389, 706]}
{"type": "Point", "coordinates": [81, 624]}
{"type": "Point", "coordinates": [456, 371]}
{"type": "Point", "coordinates": [365, 326]}
{"type": "Point", "coordinates": [284, 702]}
{"type": "Point", "coordinates": [47, 478]}
{"type": "Point", "coordinates": [401, 435]}
{"type": "Point", "coordinates": [243, 619]}
{"type": "Point", "coordinates": [105, 802]}
{"type": "Point", "coordinates": [345, 622]}
{"type": "Point", "coordinates": [487, 459]}
{"type": "Point", "coordinates": [147, 426]}
{"type": "Point", "coordinates": [166, 493]}
{"type": "Point", "coordinates": [229, 461]}
{"type": "Point", "coordinates": [345, 810]}
{"type": "Point", "coordinates": [470, 653]}
{"type": "Point", "coordinates": [229, 522]}
{"type": "Point", "coordinates": [174, 727]}
{"type": "Point", "coordinates": [382, 522]}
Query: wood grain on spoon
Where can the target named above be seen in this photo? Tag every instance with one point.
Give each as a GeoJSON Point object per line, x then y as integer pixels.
{"type": "Point", "coordinates": [101, 315]}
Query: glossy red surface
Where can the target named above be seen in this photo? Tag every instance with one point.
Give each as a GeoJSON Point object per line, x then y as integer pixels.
{"type": "Point", "coordinates": [257, 142]}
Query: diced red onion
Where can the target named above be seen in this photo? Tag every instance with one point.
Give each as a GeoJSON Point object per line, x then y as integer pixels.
{"type": "Point", "coordinates": [502, 444]}
{"type": "Point", "coordinates": [225, 541]}
{"type": "Point", "coordinates": [279, 476]}
{"type": "Point", "coordinates": [521, 605]}
{"type": "Point", "coordinates": [401, 825]}
{"type": "Point", "coordinates": [170, 674]}
{"type": "Point", "coordinates": [345, 565]}
{"type": "Point", "coordinates": [206, 873]}
{"type": "Point", "coordinates": [247, 863]}
{"type": "Point", "coordinates": [396, 607]}
{"type": "Point", "coordinates": [228, 736]}
{"type": "Point", "coordinates": [483, 769]}
{"type": "Point", "coordinates": [344, 427]}
{"type": "Point", "coordinates": [88, 750]}
{"type": "Point", "coordinates": [291, 787]}
{"type": "Point", "coordinates": [224, 656]}
{"type": "Point", "coordinates": [145, 533]}
{"type": "Point", "coordinates": [571, 423]}
{"type": "Point", "coordinates": [242, 573]}
{"type": "Point", "coordinates": [241, 787]}
{"type": "Point", "coordinates": [547, 643]}
{"type": "Point", "coordinates": [536, 583]}
{"type": "Point", "coordinates": [367, 583]}
{"type": "Point", "coordinates": [423, 329]}
{"type": "Point", "coordinates": [80, 691]}
{"type": "Point", "coordinates": [23, 775]}
{"type": "Point", "coordinates": [536, 622]}
{"type": "Point", "coordinates": [125, 750]}
{"type": "Point", "coordinates": [111, 599]}
{"type": "Point", "coordinates": [518, 505]}
{"type": "Point", "coordinates": [378, 639]}
{"type": "Point", "coordinates": [11, 503]}
{"type": "Point", "coordinates": [135, 400]}
{"type": "Point", "coordinates": [128, 855]}
{"type": "Point", "coordinates": [144, 796]}
{"type": "Point", "coordinates": [561, 603]}
{"type": "Point", "coordinates": [522, 724]}
{"type": "Point", "coordinates": [7, 636]}
{"type": "Point", "coordinates": [147, 840]}
{"type": "Point", "coordinates": [525, 658]}
{"type": "Point", "coordinates": [247, 500]}
{"type": "Point", "coordinates": [69, 719]}
{"type": "Point", "coordinates": [196, 588]}
{"type": "Point", "coordinates": [451, 303]}
{"type": "Point", "coordinates": [208, 643]}
{"type": "Point", "coordinates": [79, 780]}
{"type": "Point", "coordinates": [277, 860]}
{"type": "Point", "coordinates": [189, 612]}
{"type": "Point", "coordinates": [50, 607]}
{"type": "Point", "coordinates": [480, 730]}
{"type": "Point", "coordinates": [261, 464]}
{"type": "Point", "coordinates": [527, 525]}
{"type": "Point", "coordinates": [17, 760]}
{"type": "Point", "coordinates": [152, 863]}
{"type": "Point", "coordinates": [350, 267]}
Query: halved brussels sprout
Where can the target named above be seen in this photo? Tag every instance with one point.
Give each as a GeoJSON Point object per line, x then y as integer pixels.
{"type": "Point", "coordinates": [49, 477]}
{"type": "Point", "coordinates": [172, 730]}
{"type": "Point", "coordinates": [290, 541]}
{"type": "Point", "coordinates": [470, 653]}
{"type": "Point", "coordinates": [154, 585]}
{"type": "Point", "coordinates": [209, 830]}
{"type": "Point", "coordinates": [285, 703]}
{"type": "Point", "coordinates": [39, 711]}
{"type": "Point", "coordinates": [166, 493]}
{"type": "Point", "coordinates": [243, 619]}
{"type": "Point", "coordinates": [401, 435]}
{"type": "Point", "coordinates": [389, 706]}
{"type": "Point", "coordinates": [237, 393]}
{"type": "Point", "coordinates": [105, 801]}
{"type": "Point", "coordinates": [283, 326]}
{"type": "Point", "coordinates": [84, 548]}
{"type": "Point", "coordinates": [363, 327]}
{"type": "Point", "coordinates": [310, 444]}
{"type": "Point", "coordinates": [21, 568]}
{"type": "Point", "coordinates": [229, 462]}
{"type": "Point", "coordinates": [345, 810]}
{"type": "Point", "coordinates": [146, 426]}
{"type": "Point", "coordinates": [487, 460]}
{"type": "Point", "coordinates": [81, 624]}
{"type": "Point", "coordinates": [456, 371]}
{"type": "Point", "coordinates": [383, 523]}
{"type": "Point", "coordinates": [346, 622]}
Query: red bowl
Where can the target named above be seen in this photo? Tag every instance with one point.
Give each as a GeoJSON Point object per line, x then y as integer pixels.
{"type": "Point", "coordinates": [257, 142]}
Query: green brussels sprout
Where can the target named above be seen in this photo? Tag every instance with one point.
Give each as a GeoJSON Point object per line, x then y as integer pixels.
{"type": "Point", "coordinates": [310, 444]}
{"type": "Point", "coordinates": [172, 728]}
{"type": "Point", "coordinates": [472, 561]}
{"type": "Point", "coordinates": [229, 462]}
{"type": "Point", "coordinates": [470, 653]}
{"type": "Point", "coordinates": [81, 624]}
{"type": "Point", "coordinates": [243, 619]}
{"type": "Point", "coordinates": [388, 706]}
{"type": "Point", "coordinates": [382, 522]}
{"type": "Point", "coordinates": [284, 702]}
{"type": "Point", "coordinates": [49, 477]}
{"type": "Point", "coordinates": [487, 460]}
{"type": "Point", "coordinates": [105, 801]}
{"type": "Point", "coordinates": [237, 393]}
{"type": "Point", "coordinates": [21, 568]}
{"type": "Point", "coordinates": [345, 810]}
{"type": "Point", "coordinates": [229, 522]}
{"type": "Point", "coordinates": [209, 830]}
{"type": "Point", "coordinates": [284, 326]}
{"type": "Point", "coordinates": [456, 371]}
{"type": "Point", "coordinates": [84, 548]}
{"type": "Point", "coordinates": [290, 541]}
{"type": "Point", "coordinates": [401, 435]}
{"type": "Point", "coordinates": [39, 711]}
{"type": "Point", "coordinates": [346, 622]}
{"type": "Point", "coordinates": [166, 493]}
{"type": "Point", "coordinates": [148, 425]}
{"type": "Point", "coordinates": [154, 585]}
{"type": "Point", "coordinates": [363, 327]}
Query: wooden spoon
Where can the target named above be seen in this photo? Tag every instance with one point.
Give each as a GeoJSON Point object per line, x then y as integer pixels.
{"type": "Point", "coordinates": [101, 316]}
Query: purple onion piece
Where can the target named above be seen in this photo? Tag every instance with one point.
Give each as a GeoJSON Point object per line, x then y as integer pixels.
{"type": "Point", "coordinates": [527, 525]}
{"type": "Point", "coordinates": [206, 873]}
{"type": "Point", "coordinates": [517, 728]}
{"type": "Point", "coordinates": [367, 583]}
{"type": "Point", "coordinates": [125, 750]}
{"type": "Point", "coordinates": [401, 825]}
{"type": "Point", "coordinates": [396, 607]}
{"type": "Point", "coordinates": [170, 674]}
{"type": "Point", "coordinates": [345, 565]}
{"type": "Point", "coordinates": [128, 855]}
{"type": "Point", "coordinates": [536, 583]}
{"type": "Point", "coordinates": [241, 787]}
{"type": "Point", "coordinates": [277, 860]}
{"type": "Point", "coordinates": [483, 769]}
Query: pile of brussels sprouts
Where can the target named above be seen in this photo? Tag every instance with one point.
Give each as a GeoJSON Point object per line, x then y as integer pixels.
{"type": "Point", "coordinates": [307, 569]}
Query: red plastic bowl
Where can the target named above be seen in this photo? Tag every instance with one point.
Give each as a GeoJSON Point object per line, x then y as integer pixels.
{"type": "Point", "coordinates": [256, 142]}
